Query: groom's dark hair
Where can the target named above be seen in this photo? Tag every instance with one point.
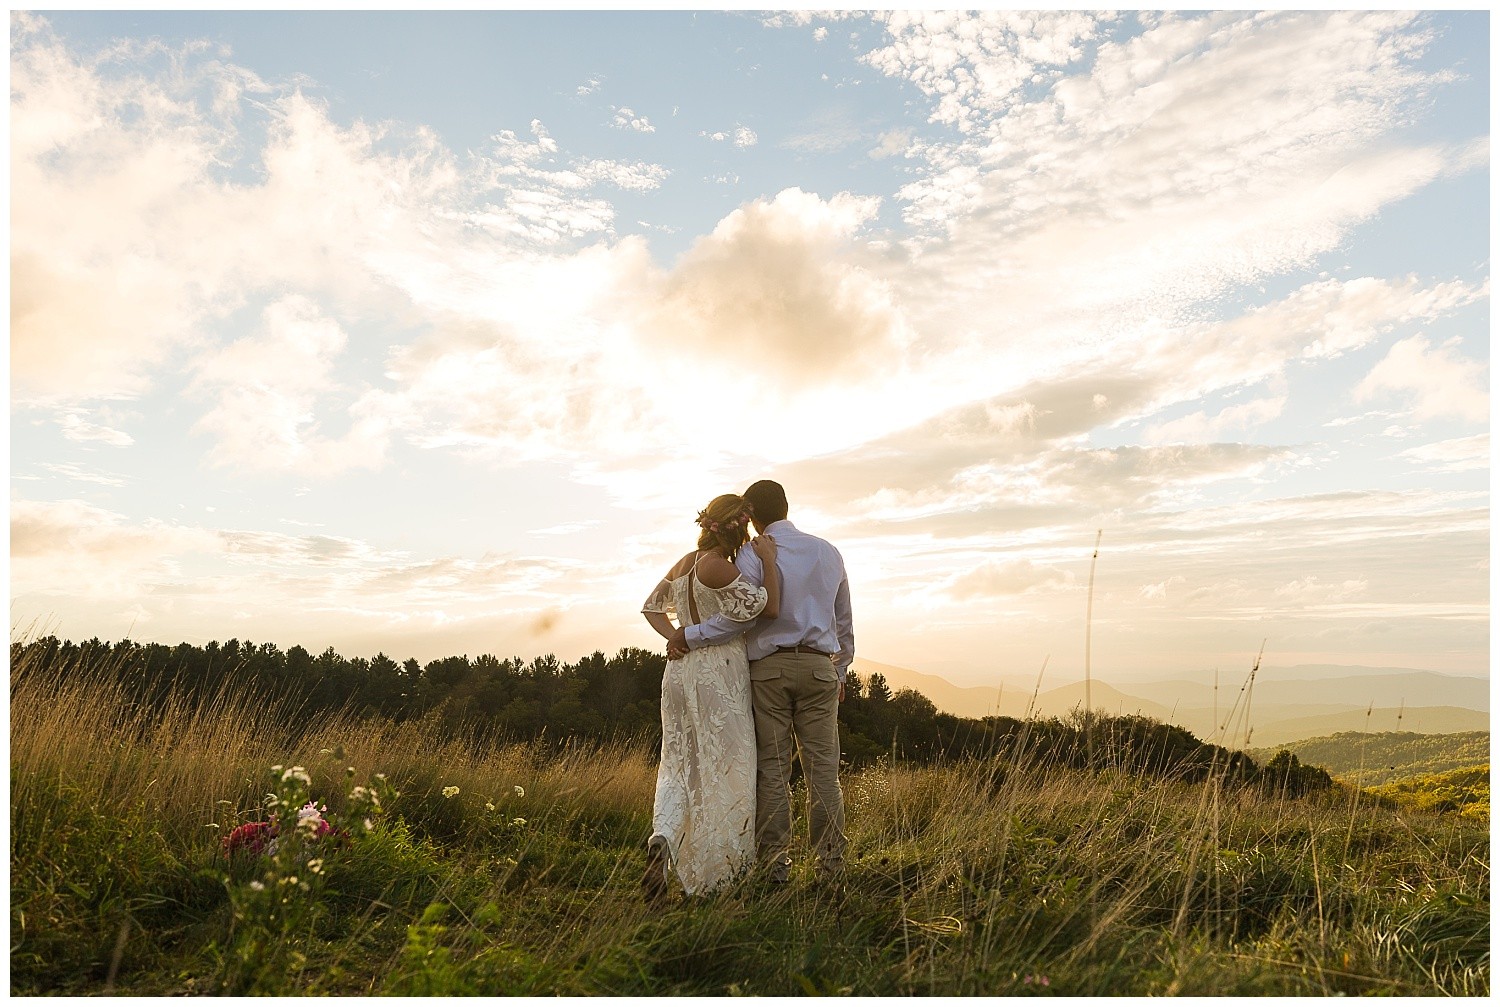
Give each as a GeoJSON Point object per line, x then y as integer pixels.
{"type": "Point", "coordinates": [767, 501]}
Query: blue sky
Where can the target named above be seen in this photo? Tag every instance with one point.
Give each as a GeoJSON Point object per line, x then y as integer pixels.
{"type": "Point", "coordinates": [428, 333]}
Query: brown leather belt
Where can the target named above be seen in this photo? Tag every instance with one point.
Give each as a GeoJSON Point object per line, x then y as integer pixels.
{"type": "Point", "coordinates": [802, 650]}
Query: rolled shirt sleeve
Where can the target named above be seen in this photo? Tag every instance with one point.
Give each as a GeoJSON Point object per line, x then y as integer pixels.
{"type": "Point", "coordinates": [843, 615]}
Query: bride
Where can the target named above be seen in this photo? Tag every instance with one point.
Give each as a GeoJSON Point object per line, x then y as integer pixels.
{"type": "Point", "coordinates": [703, 822]}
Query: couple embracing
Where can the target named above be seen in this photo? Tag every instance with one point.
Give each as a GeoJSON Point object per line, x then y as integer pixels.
{"type": "Point", "coordinates": [756, 665]}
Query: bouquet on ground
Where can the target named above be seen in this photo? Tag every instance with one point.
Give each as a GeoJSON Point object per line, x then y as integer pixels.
{"type": "Point", "coordinates": [297, 823]}
{"type": "Point", "coordinates": [256, 839]}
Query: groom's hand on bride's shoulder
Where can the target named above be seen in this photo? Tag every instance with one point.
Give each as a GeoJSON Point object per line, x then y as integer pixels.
{"type": "Point", "coordinates": [765, 548]}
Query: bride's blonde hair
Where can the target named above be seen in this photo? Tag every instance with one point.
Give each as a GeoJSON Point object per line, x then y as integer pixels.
{"type": "Point", "coordinates": [725, 523]}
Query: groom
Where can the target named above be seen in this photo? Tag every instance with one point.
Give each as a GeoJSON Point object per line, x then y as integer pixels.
{"type": "Point", "coordinates": [797, 665]}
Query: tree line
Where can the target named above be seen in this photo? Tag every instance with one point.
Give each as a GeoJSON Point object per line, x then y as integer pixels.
{"type": "Point", "coordinates": [600, 699]}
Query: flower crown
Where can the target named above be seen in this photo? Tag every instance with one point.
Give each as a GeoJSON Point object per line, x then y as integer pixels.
{"type": "Point", "coordinates": [708, 524]}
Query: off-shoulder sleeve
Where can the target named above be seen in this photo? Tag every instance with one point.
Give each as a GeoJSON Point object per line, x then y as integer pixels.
{"type": "Point", "coordinates": [741, 600]}
{"type": "Point", "coordinates": [661, 600]}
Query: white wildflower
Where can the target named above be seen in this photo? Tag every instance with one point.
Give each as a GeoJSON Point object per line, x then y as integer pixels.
{"type": "Point", "coordinates": [296, 773]}
{"type": "Point", "coordinates": [518, 821]}
{"type": "Point", "coordinates": [315, 865]}
{"type": "Point", "coordinates": [450, 791]}
{"type": "Point", "coordinates": [489, 805]}
{"type": "Point", "coordinates": [520, 791]}
{"type": "Point", "coordinates": [257, 886]}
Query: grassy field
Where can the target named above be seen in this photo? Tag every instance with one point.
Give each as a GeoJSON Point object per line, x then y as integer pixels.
{"type": "Point", "coordinates": [514, 870]}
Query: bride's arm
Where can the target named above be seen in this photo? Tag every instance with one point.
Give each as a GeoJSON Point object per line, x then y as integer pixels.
{"type": "Point", "coordinates": [658, 609]}
{"type": "Point", "coordinates": [661, 624]}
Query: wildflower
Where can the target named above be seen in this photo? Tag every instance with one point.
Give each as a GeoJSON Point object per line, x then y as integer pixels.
{"type": "Point", "coordinates": [315, 865]}
{"type": "Point", "coordinates": [325, 751]}
{"type": "Point", "coordinates": [252, 838]}
{"type": "Point", "coordinates": [518, 821]}
{"type": "Point", "coordinates": [450, 791]}
{"type": "Point", "coordinates": [489, 805]}
{"type": "Point", "coordinates": [520, 792]}
{"type": "Point", "coordinates": [258, 886]}
{"type": "Point", "coordinates": [311, 821]}
{"type": "Point", "coordinates": [296, 773]}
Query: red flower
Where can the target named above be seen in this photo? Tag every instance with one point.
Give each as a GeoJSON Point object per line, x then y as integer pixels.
{"type": "Point", "coordinates": [251, 838]}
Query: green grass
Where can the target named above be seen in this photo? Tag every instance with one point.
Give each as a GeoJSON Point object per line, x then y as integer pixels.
{"type": "Point", "coordinates": [1465, 792]}
{"type": "Point", "coordinates": [1374, 758]}
{"type": "Point", "coordinates": [963, 879]}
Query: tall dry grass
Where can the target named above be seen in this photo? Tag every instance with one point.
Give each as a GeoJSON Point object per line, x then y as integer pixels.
{"type": "Point", "coordinates": [986, 877]}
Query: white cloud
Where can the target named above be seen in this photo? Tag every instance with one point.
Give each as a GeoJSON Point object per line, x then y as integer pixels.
{"type": "Point", "coordinates": [770, 289]}
{"type": "Point", "coordinates": [98, 300]}
{"type": "Point", "coordinates": [975, 66]}
{"type": "Point", "coordinates": [1458, 454]}
{"type": "Point", "coordinates": [1199, 427]}
{"type": "Point", "coordinates": [79, 474]}
{"type": "Point", "coordinates": [893, 143]}
{"type": "Point", "coordinates": [625, 118]}
{"type": "Point", "coordinates": [1006, 577]}
{"type": "Point", "coordinates": [1438, 381]}
{"type": "Point", "coordinates": [741, 136]}
{"type": "Point", "coordinates": [1178, 166]}
{"type": "Point", "coordinates": [268, 387]}
{"type": "Point", "coordinates": [122, 205]}
{"type": "Point", "coordinates": [1158, 591]}
{"type": "Point", "coordinates": [76, 428]}
{"type": "Point", "coordinates": [76, 550]}
{"type": "Point", "coordinates": [1310, 591]}
{"type": "Point", "coordinates": [89, 556]}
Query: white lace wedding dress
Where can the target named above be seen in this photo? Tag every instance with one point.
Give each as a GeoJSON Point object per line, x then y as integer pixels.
{"type": "Point", "coordinates": [705, 786]}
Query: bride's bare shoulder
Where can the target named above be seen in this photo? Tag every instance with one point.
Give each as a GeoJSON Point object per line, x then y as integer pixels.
{"type": "Point", "coordinates": [682, 566]}
{"type": "Point", "coordinates": [715, 571]}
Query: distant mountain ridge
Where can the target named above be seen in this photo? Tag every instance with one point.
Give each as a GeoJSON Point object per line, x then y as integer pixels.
{"type": "Point", "coordinates": [1285, 704]}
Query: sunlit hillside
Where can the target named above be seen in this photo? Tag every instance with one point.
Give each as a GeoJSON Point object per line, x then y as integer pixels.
{"type": "Point", "coordinates": [1382, 757]}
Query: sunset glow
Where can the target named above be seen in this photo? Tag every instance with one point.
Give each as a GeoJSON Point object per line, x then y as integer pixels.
{"type": "Point", "coordinates": [430, 333]}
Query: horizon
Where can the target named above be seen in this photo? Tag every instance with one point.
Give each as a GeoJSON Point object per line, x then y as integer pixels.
{"type": "Point", "coordinates": [428, 333]}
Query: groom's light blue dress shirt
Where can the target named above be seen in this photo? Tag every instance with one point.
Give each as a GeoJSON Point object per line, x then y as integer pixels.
{"type": "Point", "coordinates": [815, 609]}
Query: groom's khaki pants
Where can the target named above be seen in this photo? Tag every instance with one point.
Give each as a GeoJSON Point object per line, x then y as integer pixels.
{"type": "Point", "coordinates": [795, 698]}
